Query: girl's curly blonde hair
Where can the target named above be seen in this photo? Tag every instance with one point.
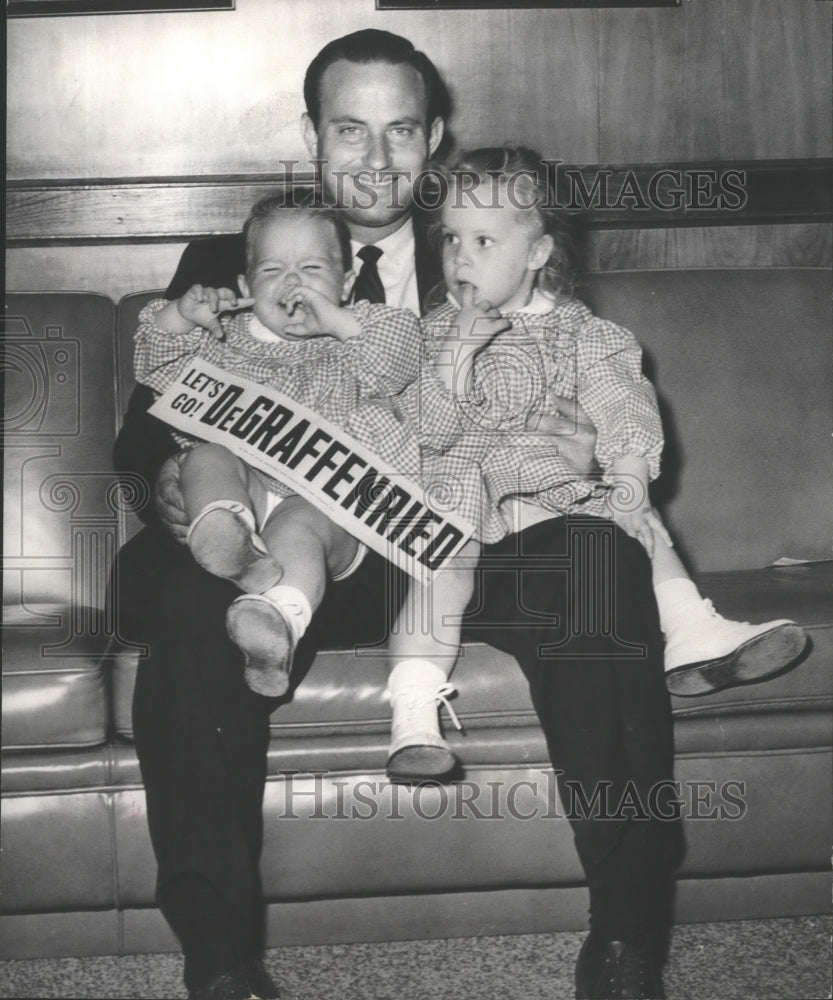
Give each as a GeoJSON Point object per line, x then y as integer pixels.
{"type": "Point", "coordinates": [524, 176]}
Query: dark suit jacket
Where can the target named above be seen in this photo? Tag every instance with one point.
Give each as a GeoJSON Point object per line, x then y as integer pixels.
{"type": "Point", "coordinates": [145, 442]}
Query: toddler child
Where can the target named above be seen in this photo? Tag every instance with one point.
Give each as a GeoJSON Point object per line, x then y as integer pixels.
{"type": "Point", "coordinates": [344, 363]}
{"type": "Point", "coordinates": [511, 335]}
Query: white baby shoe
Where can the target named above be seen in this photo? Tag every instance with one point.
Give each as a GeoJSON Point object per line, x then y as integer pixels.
{"type": "Point", "coordinates": [417, 689]}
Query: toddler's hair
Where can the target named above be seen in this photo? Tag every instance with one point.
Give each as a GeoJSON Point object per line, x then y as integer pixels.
{"type": "Point", "coordinates": [277, 206]}
{"type": "Point", "coordinates": [528, 175]}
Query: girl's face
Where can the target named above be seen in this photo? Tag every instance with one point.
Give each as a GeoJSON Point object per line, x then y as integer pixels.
{"type": "Point", "coordinates": [493, 246]}
{"type": "Point", "coordinates": [290, 251]}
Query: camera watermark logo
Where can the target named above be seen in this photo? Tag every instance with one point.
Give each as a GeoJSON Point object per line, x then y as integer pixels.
{"type": "Point", "coordinates": [61, 520]}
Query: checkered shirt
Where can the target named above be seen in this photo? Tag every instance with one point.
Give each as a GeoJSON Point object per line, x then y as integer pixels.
{"type": "Point", "coordinates": [352, 383]}
{"type": "Point", "coordinates": [567, 352]}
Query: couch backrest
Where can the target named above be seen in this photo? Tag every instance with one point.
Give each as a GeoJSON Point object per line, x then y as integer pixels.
{"type": "Point", "coordinates": [741, 359]}
{"type": "Point", "coordinates": [61, 506]}
{"type": "Point", "coordinates": [127, 321]}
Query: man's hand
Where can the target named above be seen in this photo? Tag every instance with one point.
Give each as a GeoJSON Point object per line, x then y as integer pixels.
{"type": "Point", "coordinates": [168, 498]}
{"type": "Point", "coordinates": [201, 306]}
{"type": "Point", "coordinates": [313, 314]}
{"type": "Point", "coordinates": [574, 430]}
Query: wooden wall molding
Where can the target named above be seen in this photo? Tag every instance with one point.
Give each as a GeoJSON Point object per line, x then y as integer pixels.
{"type": "Point", "coordinates": [128, 210]}
{"type": "Point", "coordinates": [607, 197]}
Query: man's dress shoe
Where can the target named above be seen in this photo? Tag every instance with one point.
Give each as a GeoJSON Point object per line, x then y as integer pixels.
{"type": "Point", "coordinates": [617, 970]}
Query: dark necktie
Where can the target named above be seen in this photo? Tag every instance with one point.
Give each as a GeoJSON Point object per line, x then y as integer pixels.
{"type": "Point", "coordinates": [368, 284]}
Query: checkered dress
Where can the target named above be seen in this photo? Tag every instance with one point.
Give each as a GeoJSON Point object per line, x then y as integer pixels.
{"type": "Point", "coordinates": [567, 352]}
{"type": "Point", "coordinates": [354, 383]}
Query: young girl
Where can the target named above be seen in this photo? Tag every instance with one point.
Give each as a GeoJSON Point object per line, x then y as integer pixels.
{"type": "Point", "coordinates": [511, 334]}
{"type": "Point", "coordinates": [345, 363]}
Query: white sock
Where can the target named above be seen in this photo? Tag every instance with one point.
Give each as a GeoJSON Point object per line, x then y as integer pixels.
{"type": "Point", "coordinates": [416, 673]}
{"type": "Point", "coordinates": [678, 601]}
{"type": "Point", "coordinates": [294, 605]}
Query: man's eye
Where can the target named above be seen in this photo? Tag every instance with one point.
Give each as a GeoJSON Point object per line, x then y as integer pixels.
{"type": "Point", "coordinates": [350, 131]}
{"type": "Point", "coordinates": [403, 131]}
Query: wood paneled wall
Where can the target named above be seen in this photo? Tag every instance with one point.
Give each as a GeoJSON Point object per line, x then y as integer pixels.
{"type": "Point", "coordinates": [220, 92]}
{"type": "Point", "coordinates": [728, 80]}
{"type": "Point", "coordinates": [117, 270]}
{"type": "Point", "coordinates": [166, 95]}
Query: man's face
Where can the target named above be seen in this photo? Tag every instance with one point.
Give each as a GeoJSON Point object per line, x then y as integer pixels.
{"type": "Point", "coordinates": [374, 140]}
{"type": "Point", "coordinates": [492, 246]}
{"type": "Point", "coordinates": [292, 251]}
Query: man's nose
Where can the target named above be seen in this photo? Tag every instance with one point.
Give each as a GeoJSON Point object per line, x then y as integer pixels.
{"type": "Point", "coordinates": [377, 154]}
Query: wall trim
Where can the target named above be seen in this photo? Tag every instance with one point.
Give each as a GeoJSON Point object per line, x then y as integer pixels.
{"type": "Point", "coordinates": [620, 196]}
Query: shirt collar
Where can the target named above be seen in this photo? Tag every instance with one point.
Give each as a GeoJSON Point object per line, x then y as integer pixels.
{"type": "Point", "coordinates": [538, 305]}
{"type": "Point", "coordinates": [394, 247]}
{"type": "Point", "coordinates": [257, 330]}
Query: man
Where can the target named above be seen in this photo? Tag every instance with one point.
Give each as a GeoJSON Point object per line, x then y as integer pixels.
{"type": "Point", "coordinates": [376, 110]}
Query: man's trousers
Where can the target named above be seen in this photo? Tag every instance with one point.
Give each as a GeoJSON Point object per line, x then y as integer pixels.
{"type": "Point", "coordinates": [570, 599]}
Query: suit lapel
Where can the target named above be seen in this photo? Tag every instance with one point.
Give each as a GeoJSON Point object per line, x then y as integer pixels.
{"type": "Point", "coordinates": [426, 260]}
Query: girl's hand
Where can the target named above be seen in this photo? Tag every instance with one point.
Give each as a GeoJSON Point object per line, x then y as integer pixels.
{"type": "Point", "coordinates": [475, 324]}
{"type": "Point", "coordinates": [645, 525]}
{"type": "Point", "coordinates": [479, 320]}
{"type": "Point", "coordinates": [313, 315]}
{"type": "Point", "coordinates": [201, 306]}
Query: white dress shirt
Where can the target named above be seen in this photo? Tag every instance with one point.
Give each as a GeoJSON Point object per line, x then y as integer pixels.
{"type": "Point", "coordinates": [397, 267]}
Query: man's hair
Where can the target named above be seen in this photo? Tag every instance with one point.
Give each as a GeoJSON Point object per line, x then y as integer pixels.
{"type": "Point", "coordinates": [374, 46]}
{"type": "Point", "coordinates": [281, 206]}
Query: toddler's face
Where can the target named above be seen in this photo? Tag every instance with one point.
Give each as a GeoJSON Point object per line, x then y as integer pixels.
{"type": "Point", "coordinates": [287, 252]}
{"type": "Point", "coordinates": [491, 245]}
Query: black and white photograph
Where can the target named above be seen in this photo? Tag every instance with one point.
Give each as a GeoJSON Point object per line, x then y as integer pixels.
{"type": "Point", "coordinates": [418, 538]}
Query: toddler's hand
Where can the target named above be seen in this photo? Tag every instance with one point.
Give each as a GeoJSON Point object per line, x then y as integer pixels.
{"type": "Point", "coordinates": [479, 320]}
{"type": "Point", "coordinates": [314, 315]}
{"type": "Point", "coordinates": [475, 324]}
{"type": "Point", "coordinates": [644, 524]}
{"type": "Point", "coordinates": [202, 306]}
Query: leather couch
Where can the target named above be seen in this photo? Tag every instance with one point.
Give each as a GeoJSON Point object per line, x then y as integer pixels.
{"type": "Point", "coordinates": [741, 361]}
